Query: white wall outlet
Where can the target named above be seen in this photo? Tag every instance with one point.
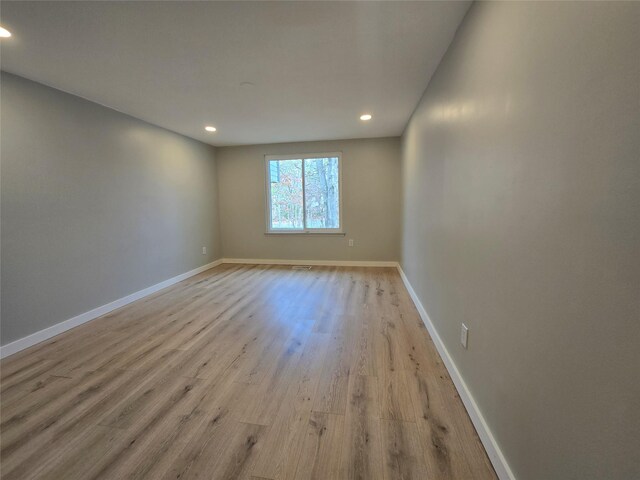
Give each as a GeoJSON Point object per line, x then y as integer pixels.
{"type": "Point", "coordinates": [464, 334]}
{"type": "Point", "coordinates": [351, 242]}
{"type": "Point", "coordinates": [204, 250]}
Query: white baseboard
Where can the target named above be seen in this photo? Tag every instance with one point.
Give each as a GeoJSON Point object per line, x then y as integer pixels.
{"type": "Point", "coordinates": [333, 263]}
{"type": "Point", "coordinates": [498, 460]}
{"type": "Point", "coordinates": [61, 327]}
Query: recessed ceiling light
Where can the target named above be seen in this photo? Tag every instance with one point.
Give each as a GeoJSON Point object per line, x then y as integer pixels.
{"type": "Point", "coordinates": [4, 33]}
{"type": "Point", "coordinates": [209, 128]}
{"type": "Point", "coordinates": [365, 117]}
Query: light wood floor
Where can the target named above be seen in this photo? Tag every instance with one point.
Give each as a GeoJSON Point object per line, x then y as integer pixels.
{"type": "Point", "coordinates": [257, 372]}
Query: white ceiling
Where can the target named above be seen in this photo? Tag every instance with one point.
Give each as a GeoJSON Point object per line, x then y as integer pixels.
{"type": "Point", "coordinates": [315, 66]}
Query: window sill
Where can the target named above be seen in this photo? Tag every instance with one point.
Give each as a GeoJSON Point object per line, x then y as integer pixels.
{"type": "Point", "coordinates": [322, 234]}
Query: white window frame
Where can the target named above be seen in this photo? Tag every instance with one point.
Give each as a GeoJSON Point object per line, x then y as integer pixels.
{"type": "Point", "coordinates": [307, 231]}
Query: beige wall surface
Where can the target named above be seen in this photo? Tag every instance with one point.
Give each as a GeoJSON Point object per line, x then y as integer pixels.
{"type": "Point", "coordinates": [371, 203]}
{"type": "Point", "coordinates": [96, 205]}
{"type": "Point", "coordinates": [521, 174]}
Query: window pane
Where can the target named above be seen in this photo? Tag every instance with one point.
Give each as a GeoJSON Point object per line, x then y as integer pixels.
{"type": "Point", "coordinates": [322, 192]}
{"type": "Point", "coordinates": [274, 171]}
{"type": "Point", "coordinates": [286, 194]}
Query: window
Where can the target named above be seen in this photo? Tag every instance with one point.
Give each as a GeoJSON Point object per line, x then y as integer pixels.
{"type": "Point", "coordinates": [303, 193]}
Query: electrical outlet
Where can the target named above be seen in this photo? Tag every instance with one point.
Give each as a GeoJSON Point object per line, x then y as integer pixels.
{"type": "Point", "coordinates": [464, 334]}
{"type": "Point", "coordinates": [204, 250]}
{"type": "Point", "coordinates": [351, 242]}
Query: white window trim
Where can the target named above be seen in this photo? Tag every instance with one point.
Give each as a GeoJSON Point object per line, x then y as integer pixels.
{"type": "Point", "coordinates": [302, 231]}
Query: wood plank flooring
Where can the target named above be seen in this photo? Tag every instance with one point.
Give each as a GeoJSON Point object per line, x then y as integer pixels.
{"type": "Point", "coordinates": [242, 372]}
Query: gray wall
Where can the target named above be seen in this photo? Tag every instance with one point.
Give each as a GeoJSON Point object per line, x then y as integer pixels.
{"type": "Point", "coordinates": [96, 205]}
{"type": "Point", "coordinates": [521, 173]}
{"type": "Point", "coordinates": [371, 208]}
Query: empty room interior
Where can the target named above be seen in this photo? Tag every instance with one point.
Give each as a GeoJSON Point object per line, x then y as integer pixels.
{"type": "Point", "coordinates": [320, 240]}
